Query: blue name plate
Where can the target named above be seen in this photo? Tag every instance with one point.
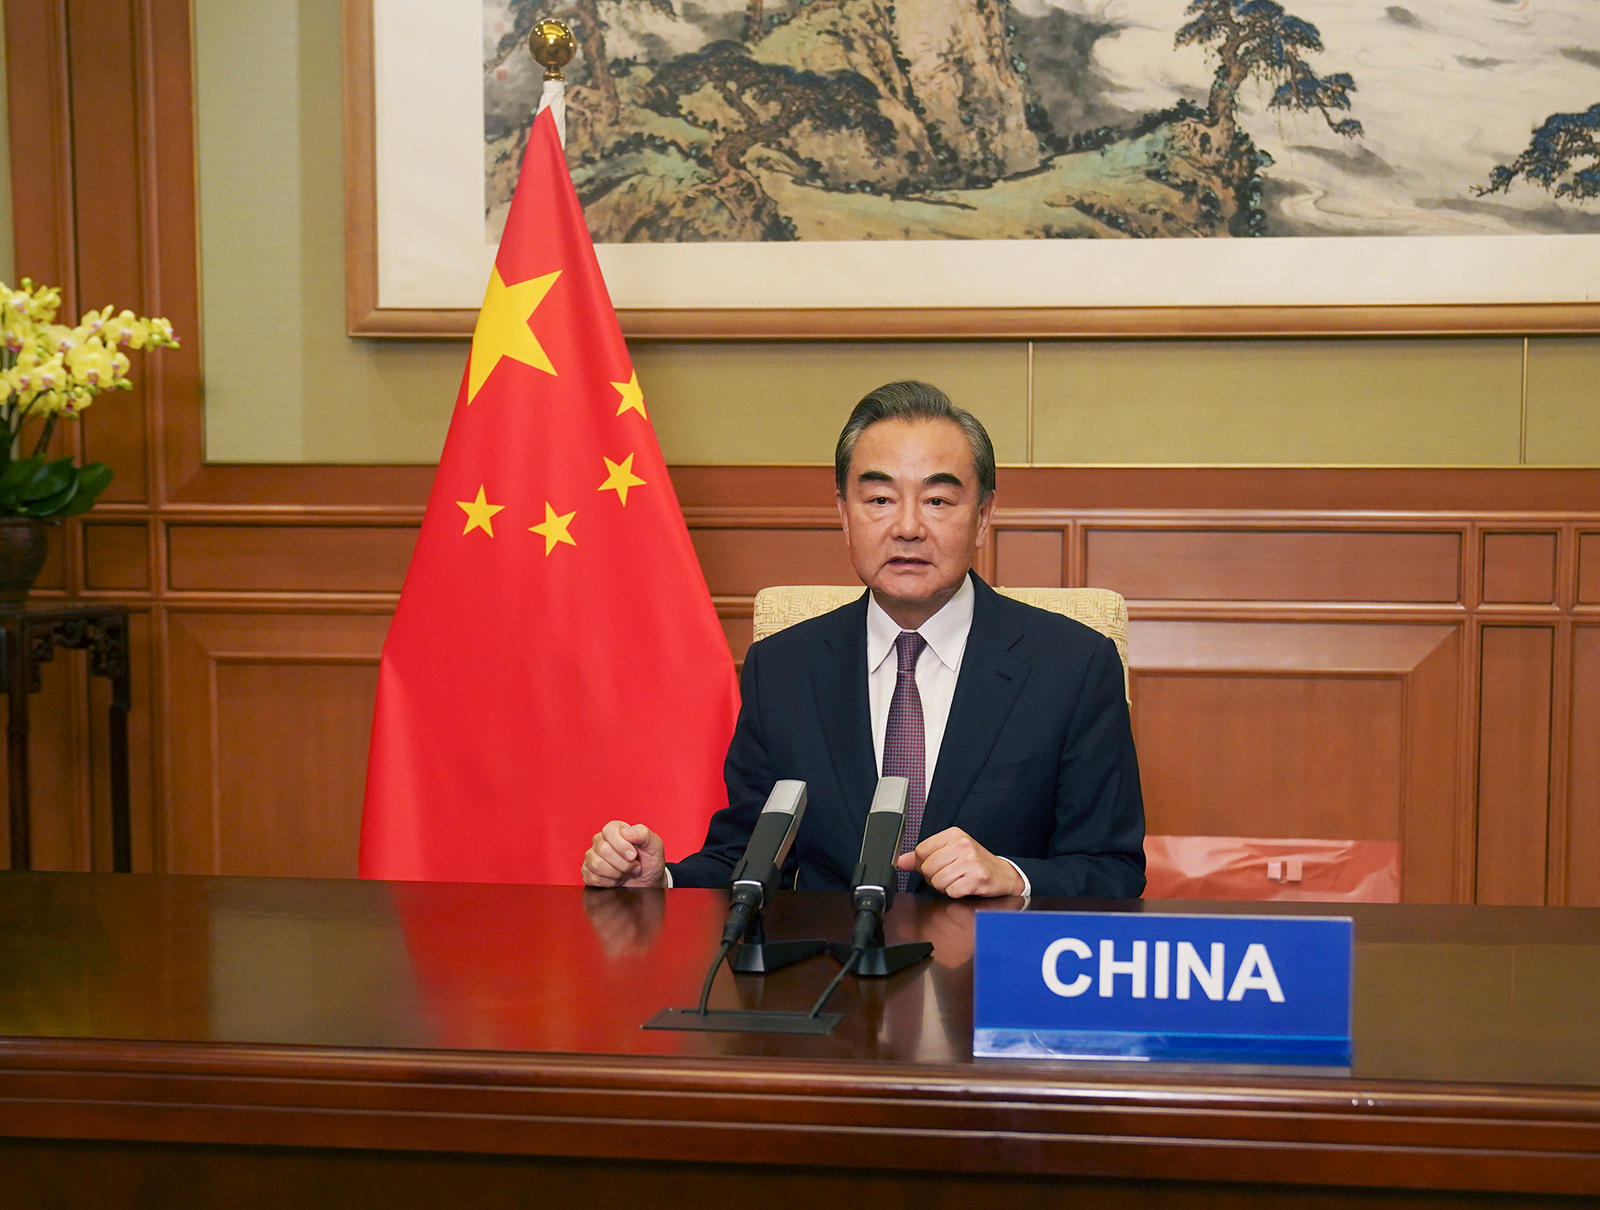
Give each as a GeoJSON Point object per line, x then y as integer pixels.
{"type": "Point", "coordinates": [1142, 987]}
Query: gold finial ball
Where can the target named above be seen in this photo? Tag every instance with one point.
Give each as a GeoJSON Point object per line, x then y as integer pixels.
{"type": "Point", "coordinates": [552, 45]}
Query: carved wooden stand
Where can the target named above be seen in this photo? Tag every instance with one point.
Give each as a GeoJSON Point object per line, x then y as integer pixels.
{"type": "Point", "coordinates": [28, 640]}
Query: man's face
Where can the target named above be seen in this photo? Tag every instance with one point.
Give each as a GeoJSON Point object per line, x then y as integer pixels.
{"type": "Point", "coordinates": [911, 510]}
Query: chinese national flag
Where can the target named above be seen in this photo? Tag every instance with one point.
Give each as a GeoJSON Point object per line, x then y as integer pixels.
{"type": "Point", "coordinates": [555, 661]}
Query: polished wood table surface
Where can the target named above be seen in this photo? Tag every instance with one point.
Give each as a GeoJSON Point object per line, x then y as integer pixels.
{"type": "Point", "coordinates": [217, 1041]}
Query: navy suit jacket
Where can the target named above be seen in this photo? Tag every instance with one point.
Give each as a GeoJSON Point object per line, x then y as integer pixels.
{"type": "Point", "coordinates": [1037, 762]}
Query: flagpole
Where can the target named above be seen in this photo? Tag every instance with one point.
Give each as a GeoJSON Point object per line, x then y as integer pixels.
{"type": "Point", "coordinates": [552, 46]}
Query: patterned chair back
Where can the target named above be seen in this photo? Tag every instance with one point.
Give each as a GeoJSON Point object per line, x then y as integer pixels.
{"type": "Point", "coordinates": [1098, 608]}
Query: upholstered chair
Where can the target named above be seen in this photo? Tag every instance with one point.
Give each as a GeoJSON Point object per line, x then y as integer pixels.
{"type": "Point", "coordinates": [1100, 608]}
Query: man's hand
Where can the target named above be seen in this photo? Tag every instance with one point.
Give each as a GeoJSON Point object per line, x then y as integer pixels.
{"type": "Point", "coordinates": [959, 866]}
{"type": "Point", "coordinates": [625, 854]}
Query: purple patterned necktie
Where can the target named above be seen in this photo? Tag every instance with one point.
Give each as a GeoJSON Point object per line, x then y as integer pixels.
{"type": "Point", "coordinates": [905, 745]}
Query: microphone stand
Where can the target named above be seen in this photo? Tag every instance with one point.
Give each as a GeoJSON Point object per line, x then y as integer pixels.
{"type": "Point", "coordinates": [865, 954]}
{"type": "Point", "coordinates": [756, 955]}
{"type": "Point", "coordinates": [877, 959]}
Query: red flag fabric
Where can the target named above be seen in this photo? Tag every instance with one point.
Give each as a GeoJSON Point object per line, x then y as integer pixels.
{"type": "Point", "coordinates": [555, 660]}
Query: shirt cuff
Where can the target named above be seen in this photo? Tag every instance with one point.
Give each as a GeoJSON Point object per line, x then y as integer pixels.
{"type": "Point", "coordinates": [666, 874]}
{"type": "Point", "coordinates": [1027, 887]}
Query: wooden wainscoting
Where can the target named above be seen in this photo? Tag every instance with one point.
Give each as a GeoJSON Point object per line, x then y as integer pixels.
{"type": "Point", "coordinates": [1297, 672]}
{"type": "Point", "coordinates": [1408, 655]}
{"type": "Point", "coordinates": [273, 709]}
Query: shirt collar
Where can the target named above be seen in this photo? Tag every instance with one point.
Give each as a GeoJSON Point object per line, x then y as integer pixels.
{"type": "Point", "coordinates": [946, 631]}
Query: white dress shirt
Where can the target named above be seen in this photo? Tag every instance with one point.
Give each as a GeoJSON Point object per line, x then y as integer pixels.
{"type": "Point", "coordinates": [937, 670]}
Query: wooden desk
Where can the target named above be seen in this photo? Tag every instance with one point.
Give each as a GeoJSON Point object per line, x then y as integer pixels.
{"type": "Point", "coordinates": [174, 1041]}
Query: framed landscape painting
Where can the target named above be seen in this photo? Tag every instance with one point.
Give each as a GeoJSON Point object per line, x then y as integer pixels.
{"type": "Point", "coordinates": [793, 168]}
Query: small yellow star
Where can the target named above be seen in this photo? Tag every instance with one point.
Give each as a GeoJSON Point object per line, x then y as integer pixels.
{"type": "Point", "coordinates": [554, 528]}
{"type": "Point", "coordinates": [479, 514]}
{"type": "Point", "coordinates": [632, 396]}
{"type": "Point", "coordinates": [503, 330]}
{"type": "Point", "coordinates": [620, 477]}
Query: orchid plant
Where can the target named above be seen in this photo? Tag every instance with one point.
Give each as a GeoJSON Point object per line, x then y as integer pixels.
{"type": "Point", "coordinates": [49, 370]}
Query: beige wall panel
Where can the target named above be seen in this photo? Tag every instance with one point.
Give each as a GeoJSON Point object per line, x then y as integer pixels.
{"type": "Point", "coordinates": [1564, 401]}
{"type": "Point", "coordinates": [283, 382]}
{"type": "Point", "coordinates": [1338, 401]}
{"type": "Point", "coordinates": [763, 403]}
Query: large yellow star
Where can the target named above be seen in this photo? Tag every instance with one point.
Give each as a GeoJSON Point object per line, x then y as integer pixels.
{"type": "Point", "coordinates": [479, 514]}
{"type": "Point", "coordinates": [631, 396]}
{"type": "Point", "coordinates": [503, 330]}
{"type": "Point", "coordinates": [554, 528]}
{"type": "Point", "coordinates": [620, 477]}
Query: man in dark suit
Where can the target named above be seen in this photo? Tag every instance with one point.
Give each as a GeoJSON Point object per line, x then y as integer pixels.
{"type": "Point", "coordinates": [1010, 722]}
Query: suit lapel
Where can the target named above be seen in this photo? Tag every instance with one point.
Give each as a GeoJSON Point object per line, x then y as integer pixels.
{"type": "Point", "coordinates": [993, 672]}
{"type": "Point", "coordinates": [839, 688]}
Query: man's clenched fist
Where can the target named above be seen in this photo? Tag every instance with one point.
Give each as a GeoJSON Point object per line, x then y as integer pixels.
{"type": "Point", "coordinates": [625, 854]}
{"type": "Point", "coordinates": [959, 866]}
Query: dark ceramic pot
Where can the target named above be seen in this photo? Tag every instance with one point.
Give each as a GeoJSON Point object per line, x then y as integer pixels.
{"type": "Point", "coordinates": [22, 551]}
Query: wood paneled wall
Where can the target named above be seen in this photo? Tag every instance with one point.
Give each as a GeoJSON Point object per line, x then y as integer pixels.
{"type": "Point", "coordinates": [1416, 664]}
{"type": "Point", "coordinates": [1406, 655]}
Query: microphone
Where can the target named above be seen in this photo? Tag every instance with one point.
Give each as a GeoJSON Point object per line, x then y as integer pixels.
{"type": "Point", "coordinates": [755, 878]}
{"type": "Point", "coordinates": [874, 883]}
{"type": "Point", "coordinates": [874, 880]}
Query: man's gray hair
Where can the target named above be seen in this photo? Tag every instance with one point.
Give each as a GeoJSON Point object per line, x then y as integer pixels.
{"type": "Point", "coordinates": [912, 400]}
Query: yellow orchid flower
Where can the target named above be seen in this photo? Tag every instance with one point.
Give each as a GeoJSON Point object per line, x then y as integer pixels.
{"type": "Point", "coordinates": [125, 330]}
{"type": "Point", "coordinates": [50, 375]}
{"type": "Point", "coordinates": [49, 369]}
{"type": "Point", "coordinates": [92, 364]}
{"type": "Point", "coordinates": [60, 339]}
{"type": "Point", "coordinates": [21, 375]}
{"type": "Point", "coordinates": [43, 301]}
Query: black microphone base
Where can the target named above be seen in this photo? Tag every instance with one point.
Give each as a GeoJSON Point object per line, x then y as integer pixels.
{"type": "Point", "coordinates": [759, 957]}
{"type": "Point", "coordinates": [881, 960]}
{"type": "Point", "coordinates": [744, 1021]}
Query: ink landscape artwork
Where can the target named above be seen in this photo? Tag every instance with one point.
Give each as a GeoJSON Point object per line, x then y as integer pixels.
{"type": "Point", "coordinates": [865, 169]}
{"type": "Point", "coordinates": [890, 120]}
